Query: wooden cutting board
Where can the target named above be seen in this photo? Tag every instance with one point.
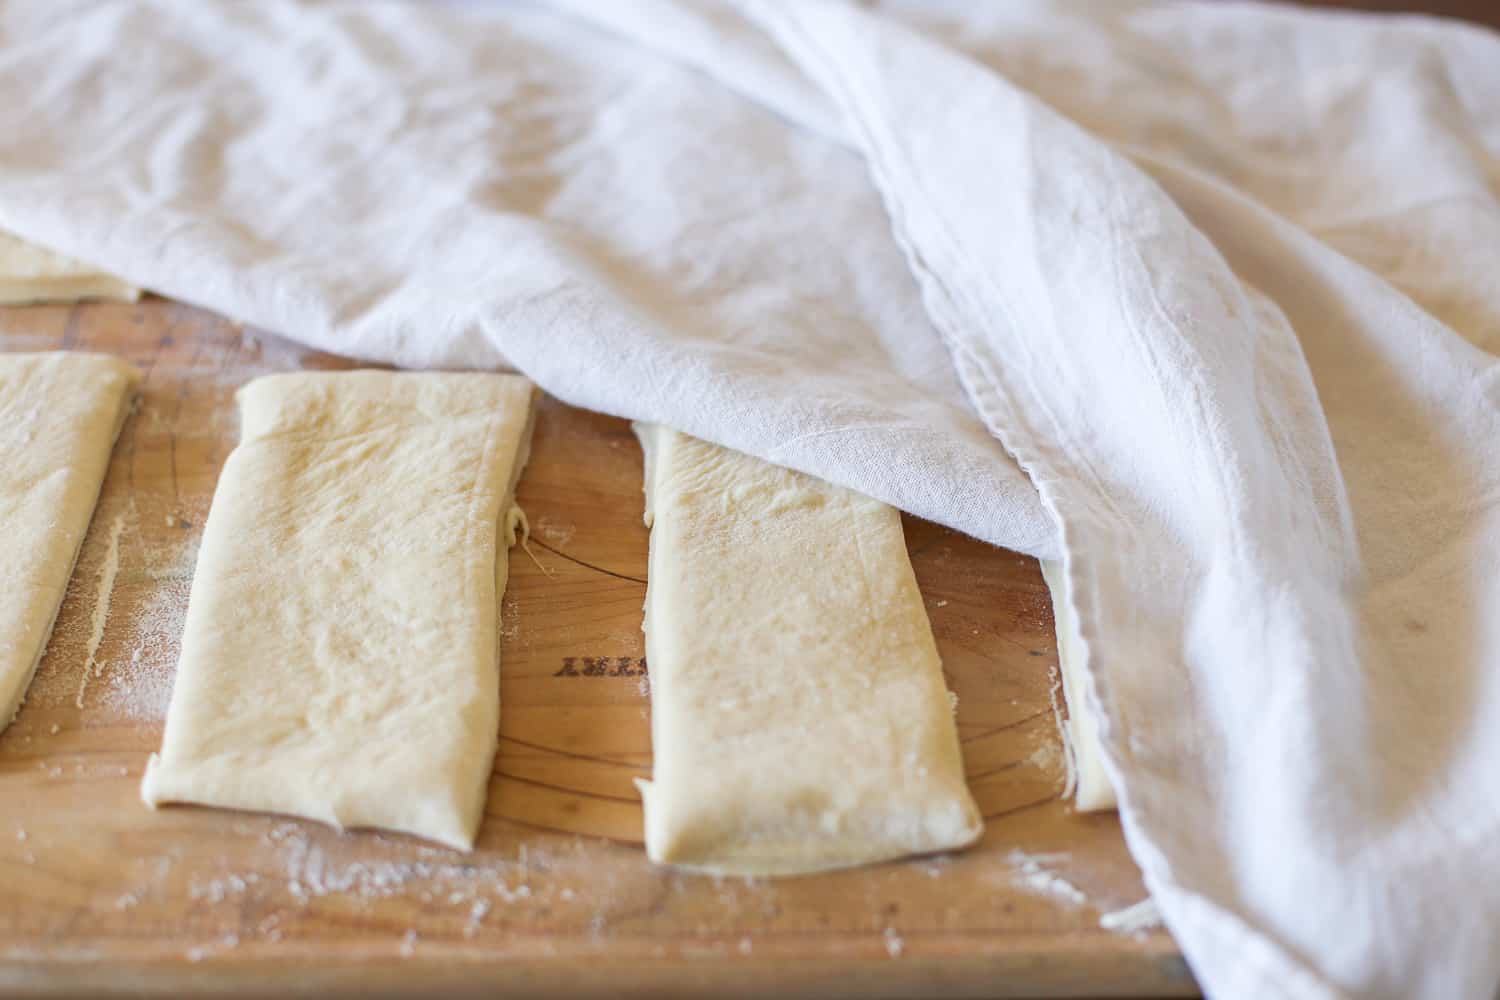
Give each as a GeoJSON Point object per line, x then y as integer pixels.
{"type": "Point", "coordinates": [101, 893]}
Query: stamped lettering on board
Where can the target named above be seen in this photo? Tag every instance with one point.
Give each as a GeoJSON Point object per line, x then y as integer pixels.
{"type": "Point", "coordinates": [602, 666]}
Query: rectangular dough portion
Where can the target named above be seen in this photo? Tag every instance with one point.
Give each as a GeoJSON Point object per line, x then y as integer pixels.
{"type": "Point", "coordinates": [340, 659]}
{"type": "Point", "coordinates": [59, 416]}
{"type": "Point", "coordinates": [800, 720]}
{"type": "Point", "coordinates": [1090, 785]}
{"type": "Point", "coordinates": [32, 274]}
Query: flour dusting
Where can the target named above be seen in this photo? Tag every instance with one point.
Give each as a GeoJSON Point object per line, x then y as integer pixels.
{"type": "Point", "coordinates": [1134, 920]}
{"type": "Point", "coordinates": [130, 585]}
{"type": "Point", "coordinates": [102, 596]}
{"type": "Point", "coordinates": [1047, 756]}
{"type": "Point", "coordinates": [554, 533]}
{"type": "Point", "coordinates": [1031, 872]}
{"type": "Point", "coordinates": [141, 687]}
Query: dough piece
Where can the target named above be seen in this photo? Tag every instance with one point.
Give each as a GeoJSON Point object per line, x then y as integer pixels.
{"type": "Point", "coordinates": [59, 416]}
{"type": "Point", "coordinates": [340, 659]}
{"type": "Point", "coordinates": [1091, 787]}
{"type": "Point", "coordinates": [31, 274]}
{"type": "Point", "coordinates": [800, 720]}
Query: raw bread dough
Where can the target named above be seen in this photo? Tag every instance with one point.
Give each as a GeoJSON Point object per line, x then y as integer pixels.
{"type": "Point", "coordinates": [29, 274]}
{"type": "Point", "coordinates": [1091, 787]}
{"type": "Point", "coordinates": [59, 416]}
{"type": "Point", "coordinates": [340, 659]}
{"type": "Point", "coordinates": [800, 720]}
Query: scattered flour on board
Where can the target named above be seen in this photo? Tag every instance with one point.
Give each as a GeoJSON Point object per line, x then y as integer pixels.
{"type": "Point", "coordinates": [1048, 754]}
{"type": "Point", "coordinates": [476, 916]}
{"type": "Point", "coordinates": [471, 883]}
{"type": "Point", "coordinates": [1045, 757]}
{"type": "Point", "coordinates": [554, 533]}
{"type": "Point", "coordinates": [1134, 920]}
{"type": "Point", "coordinates": [307, 867]}
{"type": "Point", "coordinates": [141, 687]}
{"type": "Point", "coordinates": [79, 629]}
{"type": "Point", "coordinates": [130, 585]}
{"type": "Point", "coordinates": [226, 943]}
{"type": "Point", "coordinates": [894, 944]}
{"type": "Point", "coordinates": [103, 592]}
{"type": "Point", "coordinates": [1030, 872]}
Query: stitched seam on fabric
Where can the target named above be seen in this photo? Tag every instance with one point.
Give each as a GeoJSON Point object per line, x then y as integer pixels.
{"type": "Point", "coordinates": [1270, 963]}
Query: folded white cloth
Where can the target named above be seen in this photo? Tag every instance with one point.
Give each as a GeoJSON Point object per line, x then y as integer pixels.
{"type": "Point", "coordinates": [1219, 276]}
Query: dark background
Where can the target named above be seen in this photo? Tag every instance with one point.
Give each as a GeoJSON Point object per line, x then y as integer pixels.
{"type": "Point", "coordinates": [1483, 11]}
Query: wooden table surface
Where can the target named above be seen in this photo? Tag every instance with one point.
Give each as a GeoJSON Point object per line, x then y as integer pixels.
{"type": "Point", "coordinates": [102, 893]}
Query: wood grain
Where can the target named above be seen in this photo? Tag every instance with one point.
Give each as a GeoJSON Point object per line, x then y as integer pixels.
{"type": "Point", "coordinates": [101, 893]}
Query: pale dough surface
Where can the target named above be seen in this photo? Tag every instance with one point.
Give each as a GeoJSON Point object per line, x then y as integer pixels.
{"type": "Point", "coordinates": [800, 720]}
{"type": "Point", "coordinates": [59, 416]}
{"type": "Point", "coordinates": [340, 659]}
{"type": "Point", "coordinates": [33, 274]}
{"type": "Point", "coordinates": [1092, 791]}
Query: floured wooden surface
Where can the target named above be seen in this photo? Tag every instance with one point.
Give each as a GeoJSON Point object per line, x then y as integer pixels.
{"type": "Point", "coordinates": [558, 897]}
